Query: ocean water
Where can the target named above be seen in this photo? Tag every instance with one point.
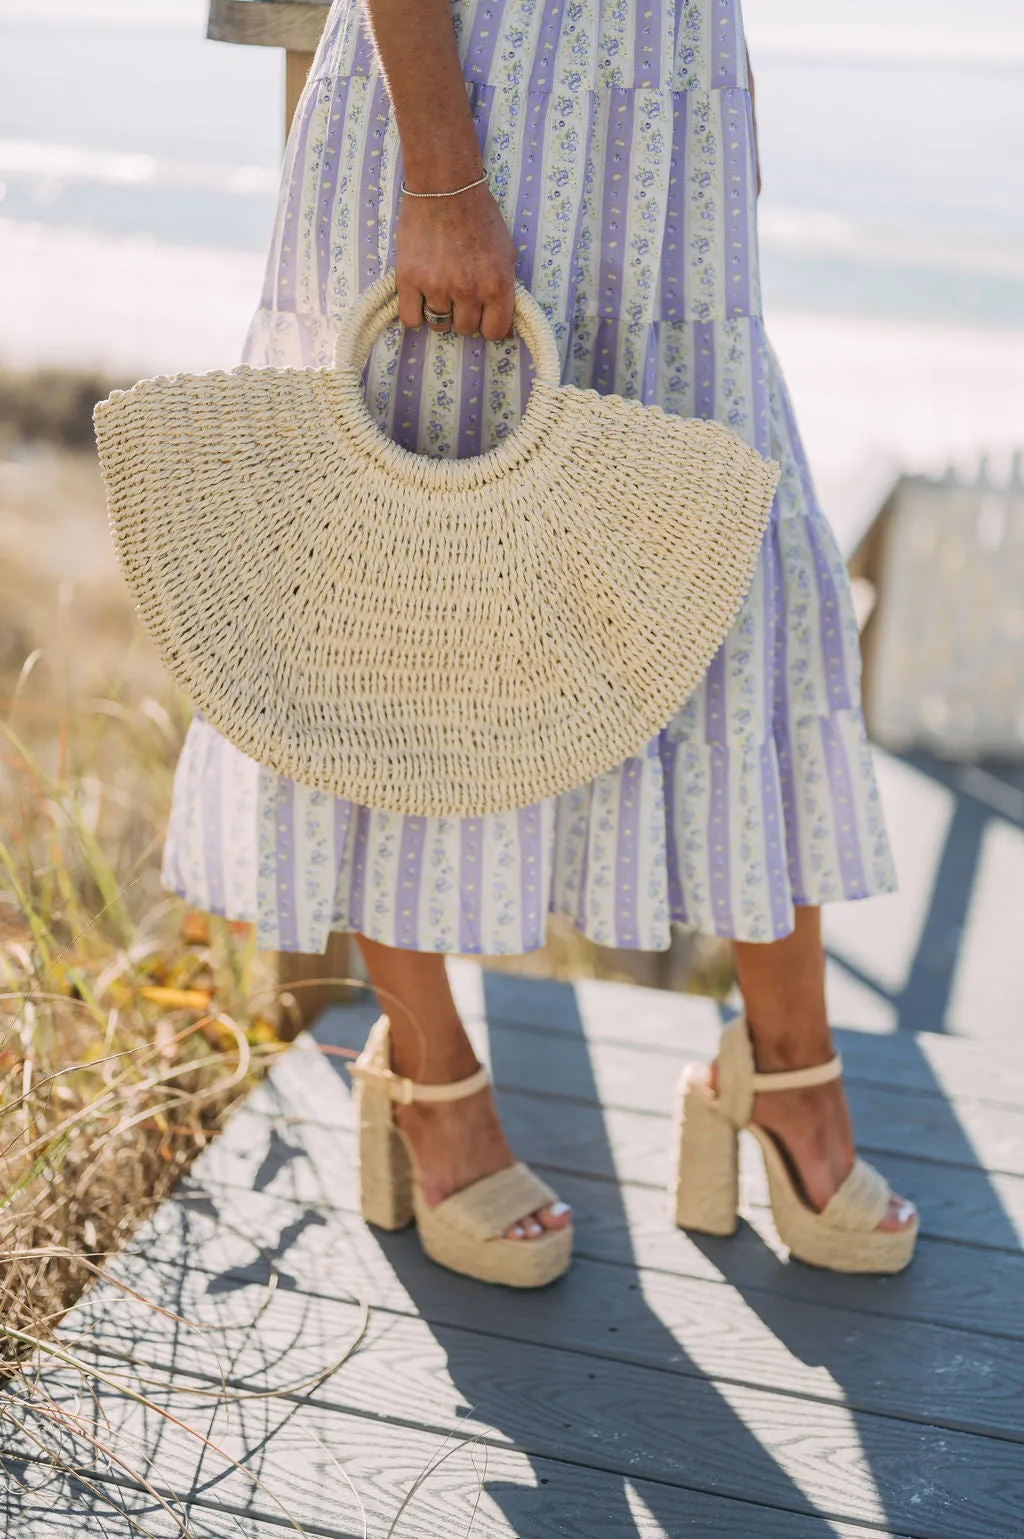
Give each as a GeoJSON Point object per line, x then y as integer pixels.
{"type": "Point", "coordinates": [891, 150]}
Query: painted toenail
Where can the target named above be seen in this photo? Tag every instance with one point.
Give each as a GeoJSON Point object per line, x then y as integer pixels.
{"type": "Point", "coordinates": [519, 1233]}
{"type": "Point", "coordinates": [904, 1212]}
{"type": "Point", "coordinates": [558, 1208]}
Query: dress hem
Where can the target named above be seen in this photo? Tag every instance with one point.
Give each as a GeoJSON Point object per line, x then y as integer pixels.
{"type": "Point", "coordinates": [614, 945]}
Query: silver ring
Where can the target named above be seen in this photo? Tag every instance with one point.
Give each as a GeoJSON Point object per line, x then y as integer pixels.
{"type": "Point", "coordinates": [437, 317]}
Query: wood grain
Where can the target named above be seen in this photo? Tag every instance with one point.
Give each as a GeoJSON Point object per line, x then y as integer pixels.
{"type": "Point", "coordinates": [627, 1084]}
{"type": "Point", "coordinates": [298, 1452]}
{"type": "Point", "coordinates": [295, 24]}
{"type": "Point", "coordinates": [668, 1385]}
{"type": "Point", "coordinates": [948, 1284]}
{"type": "Point", "coordinates": [953, 1379]}
{"type": "Point", "coordinates": [676, 1024]}
{"type": "Point", "coordinates": [966, 1206]}
{"type": "Point", "coordinates": [38, 1503]}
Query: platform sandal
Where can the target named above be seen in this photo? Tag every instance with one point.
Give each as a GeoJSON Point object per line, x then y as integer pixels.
{"type": "Point", "coordinates": [464, 1232]}
{"type": "Point", "coordinates": [704, 1187]}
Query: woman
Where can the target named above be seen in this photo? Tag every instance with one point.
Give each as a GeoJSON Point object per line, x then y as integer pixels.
{"type": "Point", "coordinates": [604, 151]}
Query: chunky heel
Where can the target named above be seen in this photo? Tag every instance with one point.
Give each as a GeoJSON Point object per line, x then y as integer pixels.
{"type": "Point", "coordinates": [706, 1179]}
{"type": "Point", "coordinates": [843, 1237]}
{"type": "Point", "coordinates": [385, 1170]}
{"type": "Point", "coordinates": [466, 1231]}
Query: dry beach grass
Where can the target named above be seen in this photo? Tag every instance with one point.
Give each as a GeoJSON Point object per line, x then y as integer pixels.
{"type": "Point", "coordinates": [126, 1027]}
{"type": "Point", "coordinates": [129, 1026]}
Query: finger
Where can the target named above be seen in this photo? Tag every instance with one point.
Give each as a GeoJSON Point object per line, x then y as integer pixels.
{"type": "Point", "coordinates": [467, 317]}
{"type": "Point", "coordinates": [497, 317]}
{"type": "Point", "coordinates": [410, 304]}
{"type": "Point", "coordinates": [441, 303]}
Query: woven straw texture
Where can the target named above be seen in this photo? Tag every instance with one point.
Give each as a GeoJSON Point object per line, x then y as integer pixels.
{"type": "Point", "coordinates": [427, 636]}
{"type": "Point", "coordinates": [844, 1237]}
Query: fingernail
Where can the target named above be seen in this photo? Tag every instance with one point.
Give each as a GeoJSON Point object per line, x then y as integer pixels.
{"type": "Point", "coordinates": [558, 1208]}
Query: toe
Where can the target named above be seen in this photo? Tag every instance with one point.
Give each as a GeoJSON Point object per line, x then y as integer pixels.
{"type": "Point", "coordinates": [557, 1215]}
{"type": "Point", "coordinates": [900, 1214]}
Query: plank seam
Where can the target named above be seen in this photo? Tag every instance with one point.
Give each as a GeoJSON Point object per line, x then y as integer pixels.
{"type": "Point", "coordinates": [626, 1471]}
{"type": "Point", "coordinates": [698, 1375]}
{"type": "Point", "coordinates": [504, 1089]}
{"type": "Point", "coordinates": [594, 1258]}
{"type": "Point", "coordinates": [852, 1076]}
{"type": "Point", "coordinates": [649, 1186]}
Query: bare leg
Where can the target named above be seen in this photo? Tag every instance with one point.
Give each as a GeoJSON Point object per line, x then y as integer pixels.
{"type": "Point", "coordinates": [783, 987]}
{"type": "Point", "coordinates": [456, 1144]}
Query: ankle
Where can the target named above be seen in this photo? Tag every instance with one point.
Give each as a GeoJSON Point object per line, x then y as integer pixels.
{"type": "Point", "coordinates": [442, 1055]}
{"type": "Point", "coordinates": [781, 1046]}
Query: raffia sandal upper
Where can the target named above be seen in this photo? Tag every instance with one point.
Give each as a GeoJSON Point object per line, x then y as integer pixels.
{"type": "Point", "coordinates": [466, 1231]}
{"type": "Point", "coordinates": [844, 1236]}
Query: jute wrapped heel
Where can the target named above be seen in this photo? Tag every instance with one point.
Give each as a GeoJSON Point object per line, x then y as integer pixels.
{"type": "Point", "coordinates": [465, 1232]}
{"type": "Point", "coordinates": [706, 1180]}
{"type": "Point", "coordinates": [385, 1167]}
{"type": "Point", "coordinates": [843, 1237]}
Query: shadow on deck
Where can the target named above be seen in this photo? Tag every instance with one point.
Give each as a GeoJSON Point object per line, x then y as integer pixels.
{"type": "Point", "coordinates": [666, 1386]}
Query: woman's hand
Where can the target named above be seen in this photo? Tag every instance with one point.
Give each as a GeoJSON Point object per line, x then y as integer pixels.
{"type": "Point", "coordinates": [456, 254]}
{"type": "Point", "coordinates": [450, 253]}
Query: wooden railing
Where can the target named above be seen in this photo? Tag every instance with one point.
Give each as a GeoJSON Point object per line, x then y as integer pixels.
{"type": "Point", "coordinates": [294, 25]}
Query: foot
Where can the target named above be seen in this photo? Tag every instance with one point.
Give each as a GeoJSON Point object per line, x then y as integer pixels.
{"type": "Point", "coordinates": [812, 1127]}
{"type": "Point", "coordinates": [456, 1143]}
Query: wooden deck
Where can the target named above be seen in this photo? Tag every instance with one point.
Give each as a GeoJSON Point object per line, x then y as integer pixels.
{"type": "Point", "coordinates": [667, 1386]}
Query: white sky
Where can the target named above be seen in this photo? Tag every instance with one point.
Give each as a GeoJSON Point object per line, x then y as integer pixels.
{"type": "Point", "coordinates": [922, 29]}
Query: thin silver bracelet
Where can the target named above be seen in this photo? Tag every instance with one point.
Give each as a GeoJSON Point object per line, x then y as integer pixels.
{"type": "Point", "coordinates": [452, 194]}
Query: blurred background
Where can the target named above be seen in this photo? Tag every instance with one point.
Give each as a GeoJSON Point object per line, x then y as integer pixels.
{"type": "Point", "coordinates": [138, 170]}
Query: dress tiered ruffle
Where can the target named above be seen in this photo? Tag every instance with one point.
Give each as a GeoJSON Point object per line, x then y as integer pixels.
{"type": "Point", "coordinates": [618, 142]}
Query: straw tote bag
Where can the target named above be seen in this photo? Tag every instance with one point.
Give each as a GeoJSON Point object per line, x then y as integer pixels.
{"type": "Point", "coordinates": [425, 635]}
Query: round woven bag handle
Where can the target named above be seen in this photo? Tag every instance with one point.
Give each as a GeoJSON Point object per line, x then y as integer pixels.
{"type": "Point", "coordinates": [377, 307]}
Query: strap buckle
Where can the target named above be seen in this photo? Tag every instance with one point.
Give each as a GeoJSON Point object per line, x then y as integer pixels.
{"type": "Point", "coordinates": [406, 1091]}
{"type": "Point", "coordinates": [398, 1087]}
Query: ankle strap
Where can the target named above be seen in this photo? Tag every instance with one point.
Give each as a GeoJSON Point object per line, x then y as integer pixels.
{"type": "Point", "coordinates": [406, 1091]}
{"type": "Point", "coordinates": [800, 1079]}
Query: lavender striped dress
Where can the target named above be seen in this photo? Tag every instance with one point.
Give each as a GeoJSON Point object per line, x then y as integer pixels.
{"type": "Point", "coordinates": [618, 139]}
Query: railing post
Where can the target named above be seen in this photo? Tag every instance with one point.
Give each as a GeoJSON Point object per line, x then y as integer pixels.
{"type": "Point", "coordinates": [295, 26]}
{"type": "Point", "coordinates": [296, 72]}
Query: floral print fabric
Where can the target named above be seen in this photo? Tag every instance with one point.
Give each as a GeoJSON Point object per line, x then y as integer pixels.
{"type": "Point", "coordinates": [617, 136]}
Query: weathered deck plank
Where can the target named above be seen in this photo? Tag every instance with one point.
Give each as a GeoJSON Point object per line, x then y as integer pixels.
{"type": "Point", "coordinates": [923, 1124]}
{"type": "Point", "coordinates": [667, 1386]}
{"type": "Point", "coordinates": [35, 1503]}
{"type": "Point", "coordinates": [295, 1454]}
{"type": "Point", "coordinates": [294, 24]}
{"type": "Point", "coordinates": [951, 1379]}
{"type": "Point", "coordinates": [960, 1202]}
{"type": "Point", "coordinates": [622, 1227]}
{"type": "Point", "coordinates": [685, 1025]}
